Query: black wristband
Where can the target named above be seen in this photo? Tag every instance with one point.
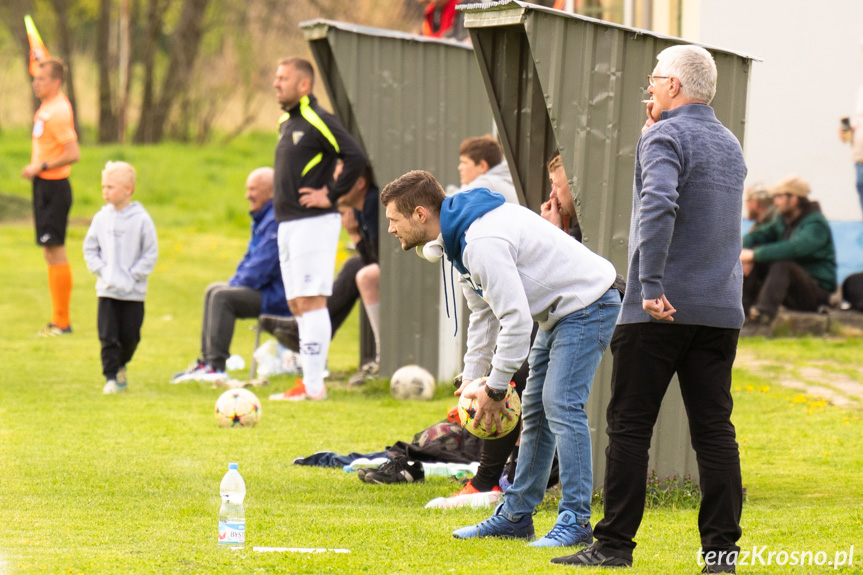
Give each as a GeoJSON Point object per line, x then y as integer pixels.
{"type": "Point", "coordinates": [44, 166]}
{"type": "Point", "coordinates": [495, 394]}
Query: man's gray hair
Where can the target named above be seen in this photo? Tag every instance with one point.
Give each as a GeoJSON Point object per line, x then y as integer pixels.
{"type": "Point", "coordinates": [694, 67]}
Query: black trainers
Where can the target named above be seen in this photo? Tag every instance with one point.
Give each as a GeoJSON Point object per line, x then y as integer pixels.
{"type": "Point", "coordinates": [592, 557]}
{"type": "Point", "coordinates": [719, 569]}
{"type": "Point", "coordinates": [394, 471]}
{"type": "Point", "coordinates": [285, 329]}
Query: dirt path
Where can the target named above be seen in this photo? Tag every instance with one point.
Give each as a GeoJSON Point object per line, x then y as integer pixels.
{"type": "Point", "coordinates": [824, 379]}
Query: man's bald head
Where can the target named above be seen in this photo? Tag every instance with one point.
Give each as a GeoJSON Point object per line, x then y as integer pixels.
{"type": "Point", "coordinates": [259, 188]}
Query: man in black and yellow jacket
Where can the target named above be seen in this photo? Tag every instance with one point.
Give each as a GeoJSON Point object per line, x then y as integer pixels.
{"type": "Point", "coordinates": [311, 141]}
{"type": "Point", "coordinates": [792, 260]}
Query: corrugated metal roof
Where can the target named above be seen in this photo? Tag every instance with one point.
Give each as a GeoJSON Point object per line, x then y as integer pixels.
{"type": "Point", "coordinates": [485, 14]}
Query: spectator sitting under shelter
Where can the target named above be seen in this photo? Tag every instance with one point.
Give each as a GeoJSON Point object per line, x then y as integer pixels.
{"type": "Point", "coordinates": [255, 288]}
{"type": "Point", "coordinates": [560, 207]}
{"type": "Point", "coordinates": [792, 260]}
{"type": "Point", "coordinates": [481, 165]}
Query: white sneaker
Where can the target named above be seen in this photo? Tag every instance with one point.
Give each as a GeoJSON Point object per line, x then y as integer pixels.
{"type": "Point", "coordinates": [112, 386]}
{"type": "Point", "coordinates": [203, 372]}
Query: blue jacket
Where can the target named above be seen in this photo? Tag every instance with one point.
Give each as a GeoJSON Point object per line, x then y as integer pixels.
{"type": "Point", "coordinates": [259, 268]}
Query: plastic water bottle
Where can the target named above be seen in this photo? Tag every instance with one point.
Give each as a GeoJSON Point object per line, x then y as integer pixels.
{"type": "Point", "coordinates": [457, 470]}
{"type": "Point", "coordinates": [232, 515]}
{"type": "Point", "coordinates": [364, 463]}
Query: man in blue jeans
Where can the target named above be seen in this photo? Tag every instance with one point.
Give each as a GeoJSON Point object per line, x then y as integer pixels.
{"type": "Point", "coordinates": [517, 268]}
{"type": "Point", "coordinates": [682, 312]}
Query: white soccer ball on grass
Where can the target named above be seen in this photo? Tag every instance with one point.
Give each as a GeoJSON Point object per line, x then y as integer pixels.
{"type": "Point", "coordinates": [238, 408]}
{"type": "Point", "coordinates": [412, 382]}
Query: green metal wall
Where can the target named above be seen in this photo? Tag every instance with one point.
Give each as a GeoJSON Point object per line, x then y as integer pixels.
{"type": "Point", "coordinates": [560, 80]}
{"type": "Point", "coordinates": [410, 102]}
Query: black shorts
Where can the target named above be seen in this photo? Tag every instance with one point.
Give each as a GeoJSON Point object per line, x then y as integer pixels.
{"type": "Point", "coordinates": [52, 200]}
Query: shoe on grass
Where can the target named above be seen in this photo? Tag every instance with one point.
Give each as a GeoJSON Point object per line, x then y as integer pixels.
{"type": "Point", "coordinates": [592, 557]}
{"type": "Point", "coordinates": [53, 330]}
{"type": "Point", "coordinates": [566, 533]}
{"type": "Point", "coordinates": [719, 569]}
{"type": "Point", "coordinates": [394, 471]}
{"type": "Point", "coordinates": [468, 496]}
{"type": "Point", "coordinates": [499, 526]}
{"type": "Point", "coordinates": [121, 377]}
{"type": "Point", "coordinates": [113, 386]}
{"type": "Point", "coordinates": [469, 489]}
{"type": "Point", "coordinates": [194, 366]}
{"type": "Point", "coordinates": [364, 374]}
{"type": "Point", "coordinates": [200, 371]}
{"type": "Point", "coordinates": [298, 393]}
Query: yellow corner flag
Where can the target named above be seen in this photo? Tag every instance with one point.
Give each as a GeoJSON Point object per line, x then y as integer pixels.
{"type": "Point", "coordinates": [38, 52]}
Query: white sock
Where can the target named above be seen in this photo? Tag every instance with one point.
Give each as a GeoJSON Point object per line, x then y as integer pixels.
{"type": "Point", "coordinates": [373, 312]}
{"type": "Point", "coordinates": [315, 334]}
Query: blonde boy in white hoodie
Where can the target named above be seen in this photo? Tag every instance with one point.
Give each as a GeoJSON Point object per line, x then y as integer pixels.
{"type": "Point", "coordinates": [120, 248]}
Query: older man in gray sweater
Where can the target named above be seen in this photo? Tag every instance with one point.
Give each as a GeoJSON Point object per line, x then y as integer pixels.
{"type": "Point", "coordinates": [682, 312]}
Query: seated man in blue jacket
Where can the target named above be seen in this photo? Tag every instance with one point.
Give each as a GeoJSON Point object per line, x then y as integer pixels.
{"type": "Point", "coordinates": [255, 288]}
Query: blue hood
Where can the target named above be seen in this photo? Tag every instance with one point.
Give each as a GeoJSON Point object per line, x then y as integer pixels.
{"type": "Point", "coordinates": [457, 213]}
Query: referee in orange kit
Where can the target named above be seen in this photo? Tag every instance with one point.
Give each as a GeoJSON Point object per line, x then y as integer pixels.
{"type": "Point", "coordinates": [55, 148]}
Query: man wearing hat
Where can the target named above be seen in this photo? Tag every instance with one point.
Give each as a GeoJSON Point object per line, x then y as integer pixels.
{"type": "Point", "coordinates": [759, 206]}
{"type": "Point", "coordinates": [792, 260]}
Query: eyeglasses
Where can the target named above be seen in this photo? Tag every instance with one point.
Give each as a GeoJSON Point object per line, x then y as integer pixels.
{"type": "Point", "coordinates": [651, 79]}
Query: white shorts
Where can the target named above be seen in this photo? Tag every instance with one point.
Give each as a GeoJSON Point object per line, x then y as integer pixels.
{"type": "Point", "coordinates": [307, 254]}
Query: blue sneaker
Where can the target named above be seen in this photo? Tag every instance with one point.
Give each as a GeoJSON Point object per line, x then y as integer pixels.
{"type": "Point", "coordinates": [499, 526]}
{"type": "Point", "coordinates": [566, 533]}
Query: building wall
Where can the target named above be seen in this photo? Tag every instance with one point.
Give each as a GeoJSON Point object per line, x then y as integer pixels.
{"type": "Point", "coordinates": [812, 68]}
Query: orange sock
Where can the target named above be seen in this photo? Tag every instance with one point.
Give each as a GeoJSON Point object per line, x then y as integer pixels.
{"type": "Point", "coordinates": [60, 284]}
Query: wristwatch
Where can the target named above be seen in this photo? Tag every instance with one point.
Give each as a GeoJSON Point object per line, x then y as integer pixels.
{"type": "Point", "coordinates": [44, 166]}
{"type": "Point", "coordinates": [494, 394]}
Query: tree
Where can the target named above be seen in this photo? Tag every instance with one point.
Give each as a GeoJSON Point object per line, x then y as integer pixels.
{"type": "Point", "coordinates": [155, 17]}
{"type": "Point", "coordinates": [13, 13]}
{"type": "Point", "coordinates": [108, 123]}
{"type": "Point", "coordinates": [185, 42]}
{"type": "Point", "coordinates": [65, 43]}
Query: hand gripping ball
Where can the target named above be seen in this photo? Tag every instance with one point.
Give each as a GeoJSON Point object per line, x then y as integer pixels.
{"type": "Point", "coordinates": [467, 409]}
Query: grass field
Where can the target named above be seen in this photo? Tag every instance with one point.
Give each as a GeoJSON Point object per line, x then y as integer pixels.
{"type": "Point", "coordinates": [129, 484]}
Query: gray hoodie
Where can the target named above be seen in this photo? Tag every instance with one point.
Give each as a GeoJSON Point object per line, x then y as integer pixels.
{"type": "Point", "coordinates": [497, 179]}
{"type": "Point", "coordinates": [121, 248]}
{"type": "Point", "coordinates": [521, 269]}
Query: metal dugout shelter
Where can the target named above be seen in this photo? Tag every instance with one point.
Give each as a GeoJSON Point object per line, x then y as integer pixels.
{"type": "Point", "coordinates": [409, 101]}
{"type": "Point", "coordinates": [557, 80]}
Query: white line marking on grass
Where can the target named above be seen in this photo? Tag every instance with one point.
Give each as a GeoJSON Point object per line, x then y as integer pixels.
{"type": "Point", "coordinates": [298, 550]}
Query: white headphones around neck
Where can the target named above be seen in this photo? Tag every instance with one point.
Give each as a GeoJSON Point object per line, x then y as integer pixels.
{"type": "Point", "coordinates": [432, 251]}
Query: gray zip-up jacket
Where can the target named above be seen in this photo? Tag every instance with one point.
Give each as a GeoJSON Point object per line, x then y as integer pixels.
{"type": "Point", "coordinates": [121, 248]}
